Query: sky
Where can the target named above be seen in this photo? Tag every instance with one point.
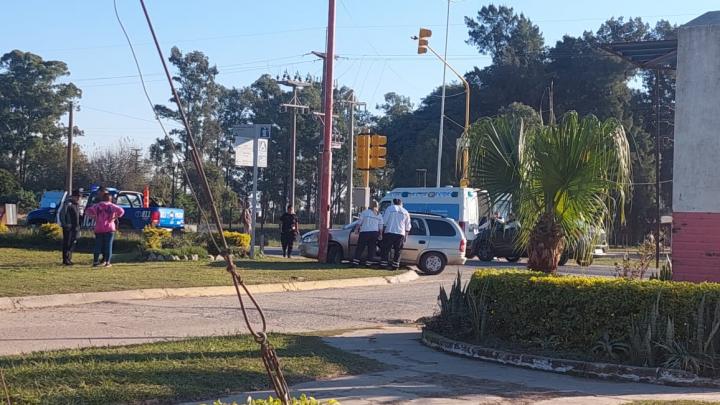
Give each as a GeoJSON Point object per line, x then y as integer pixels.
{"type": "Point", "coordinates": [246, 38]}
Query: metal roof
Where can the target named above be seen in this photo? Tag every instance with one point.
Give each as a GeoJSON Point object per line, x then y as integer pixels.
{"type": "Point", "coordinates": [660, 54]}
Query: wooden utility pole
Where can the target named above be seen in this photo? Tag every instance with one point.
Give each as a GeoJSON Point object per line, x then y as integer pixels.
{"type": "Point", "coordinates": [325, 174]}
{"type": "Point", "coordinates": [69, 162]}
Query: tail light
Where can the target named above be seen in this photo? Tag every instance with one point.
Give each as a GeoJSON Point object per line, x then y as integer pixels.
{"type": "Point", "coordinates": [155, 218]}
{"type": "Point", "coordinates": [462, 245]}
{"type": "Point", "coordinates": [463, 224]}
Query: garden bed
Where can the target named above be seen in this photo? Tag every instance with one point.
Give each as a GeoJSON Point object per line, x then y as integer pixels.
{"type": "Point", "coordinates": [659, 325]}
{"type": "Point", "coordinates": [565, 366]}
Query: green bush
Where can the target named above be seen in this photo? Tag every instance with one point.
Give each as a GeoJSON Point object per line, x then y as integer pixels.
{"type": "Point", "coordinates": [153, 237]}
{"type": "Point", "coordinates": [51, 231]}
{"type": "Point", "coordinates": [239, 243]}
{"type": "Point", "coordinates": [25, 238]}
{"type": "Point", "coordinates": [660, 321]}
{"type": "Point", "coordinates": [181, 251]}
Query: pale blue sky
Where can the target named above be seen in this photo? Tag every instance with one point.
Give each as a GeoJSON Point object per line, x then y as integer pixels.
{"type": "Point", "coordinates": [248, 38]}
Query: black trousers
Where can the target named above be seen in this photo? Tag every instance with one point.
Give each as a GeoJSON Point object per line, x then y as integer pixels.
{"type": "Point", "coordinates": [287, 239]}
{"type": "Point", "coordinates": [366, 240]}
{"type": "Point", "coordinates": [392, 241]}
{"type": "Point", "coordinates": [68, 243]}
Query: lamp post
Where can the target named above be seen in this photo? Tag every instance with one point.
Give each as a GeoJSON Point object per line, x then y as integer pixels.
{"type": "Point", "coordinates": [423, 47]}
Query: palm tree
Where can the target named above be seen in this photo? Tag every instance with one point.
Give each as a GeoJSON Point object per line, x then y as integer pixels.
{"type": "Point", "coordinates": [564, 180]}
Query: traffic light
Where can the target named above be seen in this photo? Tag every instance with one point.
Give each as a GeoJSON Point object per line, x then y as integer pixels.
{"type": "Point", "coordinates": [423, 40]}
{"type": "Point", "coordinates": [378, 151]}
{"type": "Point", "coordinates": [363, 152]}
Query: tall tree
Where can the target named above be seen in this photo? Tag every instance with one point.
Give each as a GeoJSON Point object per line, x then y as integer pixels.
{"type": "Point", "coordinates": [31, 104]}
{"type": "Point", "coordinates": [199, 94]}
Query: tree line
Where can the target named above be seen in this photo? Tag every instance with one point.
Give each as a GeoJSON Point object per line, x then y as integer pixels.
{"type": "Point", "coordinates": [574, 74]}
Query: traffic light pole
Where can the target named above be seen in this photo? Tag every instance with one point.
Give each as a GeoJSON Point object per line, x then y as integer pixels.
{"type": "Point", "coordinates": [352, 102]}
{"type": "Point", "coordinates": [325, 175]}
{"type": "Point", "coordinates": [464, 181]}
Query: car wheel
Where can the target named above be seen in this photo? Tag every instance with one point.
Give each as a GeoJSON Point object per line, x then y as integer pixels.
{"type": "Point", "coordinates": [334, 254]}
{"type": "Point", "coordinates": [485, 252]}
{"type": "Point", "coordinates": [563, 259]}
{"type": "Point", "coordinates": [432, 263]}
{"type": "Point", "coordinates": [512, 259]}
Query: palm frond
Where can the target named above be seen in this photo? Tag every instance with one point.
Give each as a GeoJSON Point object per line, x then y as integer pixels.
{"type": "Point", "coordinates": [579, 171]}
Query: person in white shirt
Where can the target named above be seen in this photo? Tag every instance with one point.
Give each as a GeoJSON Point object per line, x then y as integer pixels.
{"type": "Point", "coordinates": [369, 227]}
{"type": "Point", "coordinates": [397, 227]}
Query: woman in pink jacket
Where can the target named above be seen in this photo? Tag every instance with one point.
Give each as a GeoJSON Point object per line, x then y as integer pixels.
{"type": "Point", "coordinates": [105, 214]}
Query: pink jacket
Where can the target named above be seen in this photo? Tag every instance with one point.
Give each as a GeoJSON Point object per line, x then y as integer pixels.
{"type": "Point", "coordinates": [105, 214]}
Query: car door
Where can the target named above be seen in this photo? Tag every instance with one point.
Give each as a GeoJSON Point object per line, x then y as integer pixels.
{"type": "Point", "coordinates": [443, 236]}
{"type": "Point", "coordinates": [415, 242]}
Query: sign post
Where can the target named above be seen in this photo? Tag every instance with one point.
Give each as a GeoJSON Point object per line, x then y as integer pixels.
{"type": "Point", "coordinates": [258, 134]}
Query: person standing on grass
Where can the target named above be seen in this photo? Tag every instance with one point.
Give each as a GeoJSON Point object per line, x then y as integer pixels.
{"type": "Point", "coordinates": [369, 228]}
{"type": "Point", "coordinates": [288, 230]}
{"type": "Point", "coordinates": [397, 227]}
{"type": "Point", "coordinates": [105, 214]}
{"type": "Point", "coordinates": [70, 222]}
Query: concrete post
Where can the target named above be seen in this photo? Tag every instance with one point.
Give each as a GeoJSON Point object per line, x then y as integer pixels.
{"type": "Point", "coordinates": [696, 184]}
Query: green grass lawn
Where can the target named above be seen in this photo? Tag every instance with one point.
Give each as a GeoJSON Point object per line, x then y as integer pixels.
{"type": "Point", "coordinates": [39, 272]}
{"type": "Point", "coordinates": [168, 372]}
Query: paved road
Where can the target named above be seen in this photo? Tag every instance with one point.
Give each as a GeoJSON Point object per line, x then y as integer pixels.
{"type": "Point", "coordinates": [132, 321]}
{"type": "Point", "coordinates": [419, 375]}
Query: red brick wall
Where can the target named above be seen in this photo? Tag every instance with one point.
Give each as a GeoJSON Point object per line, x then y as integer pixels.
{"type": "Point", "coordinates": [696, 246]}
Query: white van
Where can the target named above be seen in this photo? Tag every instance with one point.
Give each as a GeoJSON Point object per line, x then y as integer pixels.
{"type": "Point", "coordinates": [465, 205]}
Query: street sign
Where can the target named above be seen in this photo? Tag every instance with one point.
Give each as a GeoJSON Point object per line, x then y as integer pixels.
{"type": "Point", "coordinates": [252, 131]}
{"type": "Point", "coordinates": [244, 152]}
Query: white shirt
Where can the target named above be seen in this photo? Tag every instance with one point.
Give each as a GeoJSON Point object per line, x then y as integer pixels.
{"type": "Point", "coordinates": [397, 220]}
{"type": "Point", "coordinates": [370, 221]}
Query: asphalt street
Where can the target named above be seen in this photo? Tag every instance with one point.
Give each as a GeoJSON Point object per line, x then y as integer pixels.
{"type": "Point", "coordinates": [371, 321]}
{"type": "Point", "coordinates": [133, 321]}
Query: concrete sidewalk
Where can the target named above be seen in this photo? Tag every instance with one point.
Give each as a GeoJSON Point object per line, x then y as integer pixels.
{"type": "Point", "coordinates": [57, 300]}
{"type": "Point", "coordinates": [419, 375]}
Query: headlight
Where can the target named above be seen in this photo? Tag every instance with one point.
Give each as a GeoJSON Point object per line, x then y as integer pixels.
{"type": "Point", "coordinates": [310, 238]}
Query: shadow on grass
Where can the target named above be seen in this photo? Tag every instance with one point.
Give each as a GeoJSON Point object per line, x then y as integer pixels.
{"type": "Point", "coordinates": [170, 372]}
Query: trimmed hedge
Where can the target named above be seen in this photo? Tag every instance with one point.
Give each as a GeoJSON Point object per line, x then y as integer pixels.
{"type": "Point", "coordinates": [647, 323]}
{"type": "Point", "coordinates": [85, 244]}
{"type": "Point", "coordinates": [524, 305]}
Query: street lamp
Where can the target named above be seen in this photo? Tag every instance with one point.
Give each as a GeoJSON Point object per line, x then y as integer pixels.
{"type": "Point", "coordinates": [423, 46]}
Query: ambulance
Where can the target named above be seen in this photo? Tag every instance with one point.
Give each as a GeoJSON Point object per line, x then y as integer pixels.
{"type": "Point", "coordinates": [467, 206]}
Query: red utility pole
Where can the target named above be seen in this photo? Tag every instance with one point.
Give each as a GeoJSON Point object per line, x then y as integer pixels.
{"type": "Point", "coordinates": [325, 178]}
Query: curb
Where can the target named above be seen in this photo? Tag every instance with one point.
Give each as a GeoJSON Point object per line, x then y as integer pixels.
{"type": "Point", "coordinates": [606, 371]}
{"type": "Point", "coordinates": [57, 300]}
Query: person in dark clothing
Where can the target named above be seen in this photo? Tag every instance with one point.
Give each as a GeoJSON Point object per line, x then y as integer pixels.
{"type": "Point", "coordinates": [70, 222]}
{"type": "Point", "coordinates": [288, 230]}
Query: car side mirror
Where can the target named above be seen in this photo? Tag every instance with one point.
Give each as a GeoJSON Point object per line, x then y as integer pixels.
{"type": "Point", "coordinates": [53, 205]}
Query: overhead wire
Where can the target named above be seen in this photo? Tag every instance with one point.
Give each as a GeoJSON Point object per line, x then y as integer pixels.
{"type": "Point", "coordinates": [268, 353]}
{"type": "Point", "coordinates": [171, 141]}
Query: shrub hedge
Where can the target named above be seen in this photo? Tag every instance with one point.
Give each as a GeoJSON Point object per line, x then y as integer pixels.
{"type": "Point", "coordinates": [524, 305]}
{"type": "Point", "coordinates": [640, 322]}
{"type": "Point", "coordinates": [28, 239]}
{"type": "Point", "coordinates": [239, 243]}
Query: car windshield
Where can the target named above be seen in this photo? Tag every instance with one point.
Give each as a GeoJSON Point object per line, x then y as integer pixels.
{"type": "Point", "coordinates": [51, 199]}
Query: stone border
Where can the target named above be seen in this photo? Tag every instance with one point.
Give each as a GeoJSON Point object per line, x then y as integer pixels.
{"type": "Point", "coordinates": [56, 300]}
{"type": "Point", "coordinates": [573, 367]}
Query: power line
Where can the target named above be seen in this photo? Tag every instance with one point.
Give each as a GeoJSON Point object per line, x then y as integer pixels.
{"type": "Point", "coordinates": [171, 141]}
